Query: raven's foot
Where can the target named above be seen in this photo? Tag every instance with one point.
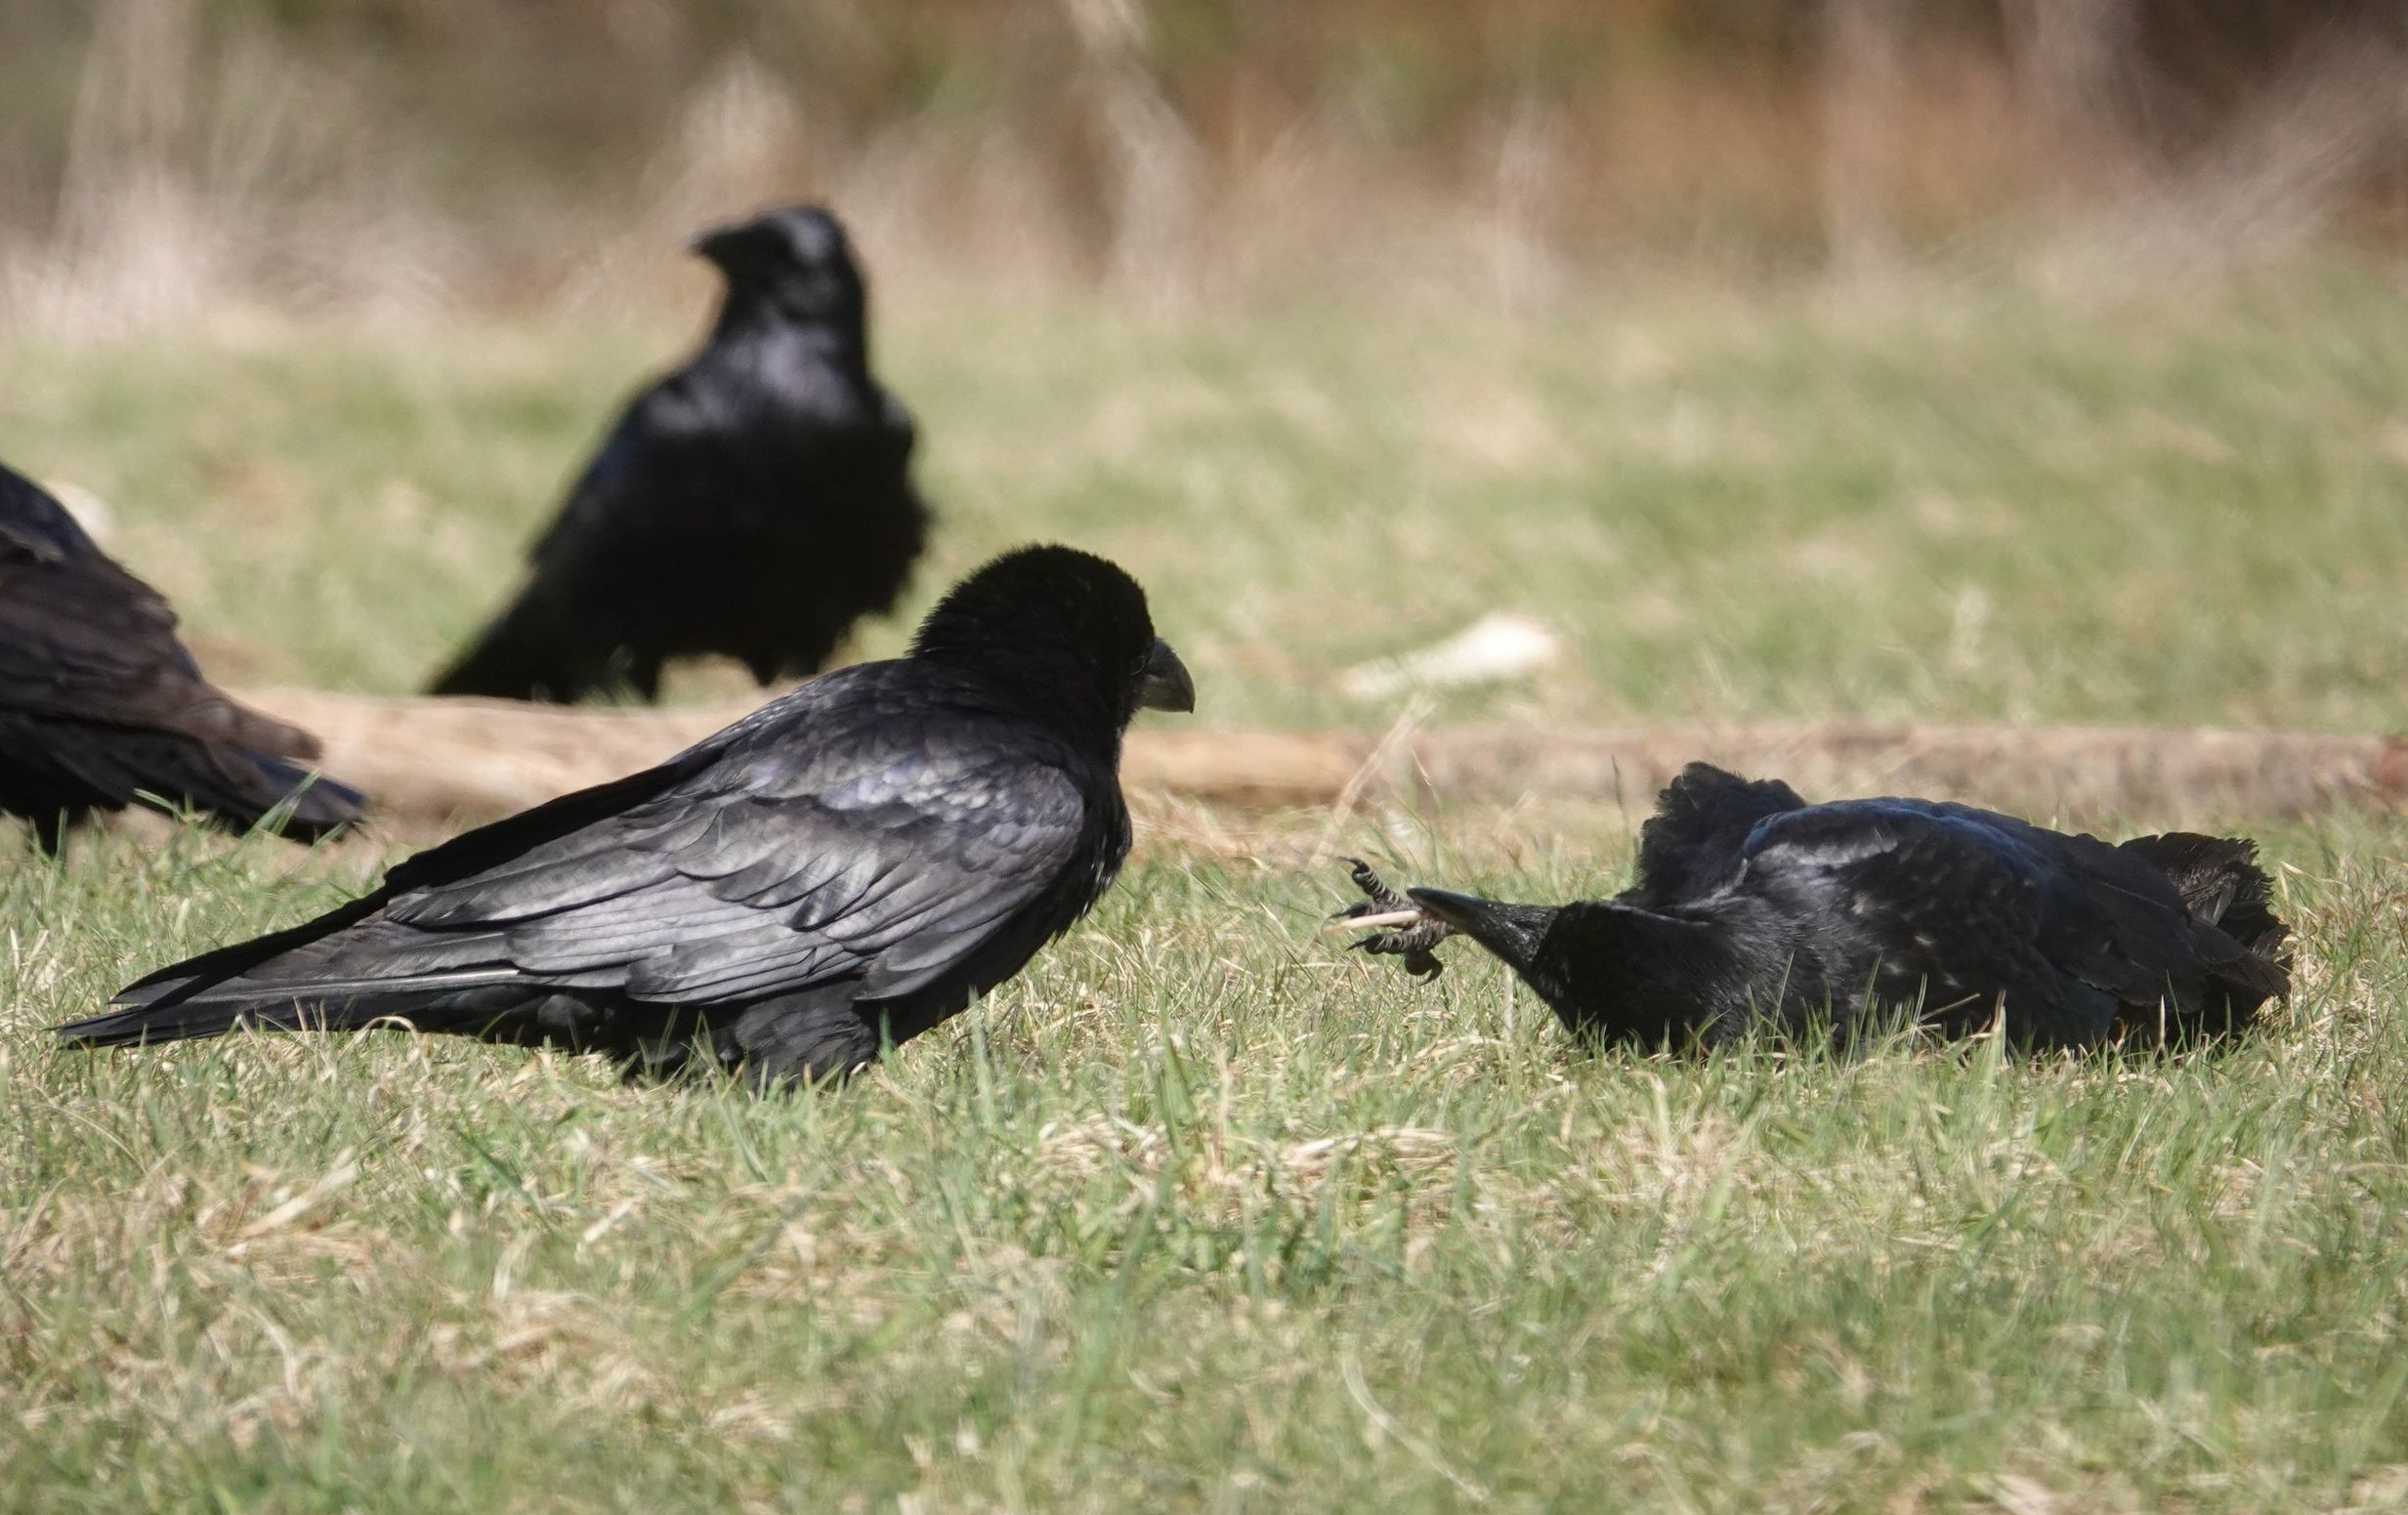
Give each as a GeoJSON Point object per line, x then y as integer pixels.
{"type": "Point", "coordinates": [1398, 927]}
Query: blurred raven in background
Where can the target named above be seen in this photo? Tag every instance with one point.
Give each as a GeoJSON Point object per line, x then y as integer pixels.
{"type": "Point", "coordinates": [1753, 906]}
{"type": "Point", "coordinates": [755, 503]}
{"type": "Point", "coordinates": [840, 870]}
{"type": "Point", "coordinates": [101, 706]}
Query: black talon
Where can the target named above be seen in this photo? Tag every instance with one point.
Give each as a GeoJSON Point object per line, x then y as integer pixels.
{"type": "Point", "coordinates": [1412, 942]}
{"type": "Point", "coordinates": [1381, 897]}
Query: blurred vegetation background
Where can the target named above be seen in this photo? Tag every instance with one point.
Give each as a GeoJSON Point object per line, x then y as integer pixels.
{"type": "Point", "coordinates": [162, 156]}
{"type": "Point", "coordinates": [2037, 360]}
{"type": "Point", "coordinates": [1923, 359]}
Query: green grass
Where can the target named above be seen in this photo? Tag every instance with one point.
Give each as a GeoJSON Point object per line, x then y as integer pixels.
{"type": "Point", "coordinates": [2186, 509]}
{"type": "Point", "coordinates": [1201, 1212]}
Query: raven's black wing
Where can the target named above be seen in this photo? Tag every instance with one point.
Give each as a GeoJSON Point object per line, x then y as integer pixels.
{"type": "Point", "coordinates": [1967, 905]}
{"type": "Point", "coordinates": [99, 702]}
{"type": "Point", "coordinates": [679, 533]}
{"type": "Point", "coordinates": [79, 636]}
{"type": "Point", "coordinates": [631, 520]}
{"type": "Point", "coordinates": [37, 527]}
{"type": "Point", "coordinates": [718, 445]}
{"type": "Point", "coordinates": [871, 831]}
{"type": "Point", "coordinates": [678, 446]}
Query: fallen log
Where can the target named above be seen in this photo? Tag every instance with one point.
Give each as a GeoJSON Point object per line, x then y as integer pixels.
{"type": "Point", "coordinates": [468, 760]}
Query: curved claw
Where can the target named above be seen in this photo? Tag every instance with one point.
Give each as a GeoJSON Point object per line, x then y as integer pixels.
{"type": "Point", "coordinates": [1374, 889]}
{"type": "Point", "coordinates": [1417, 958]}
{"type": "Point", "coordinates": [1408, 932]}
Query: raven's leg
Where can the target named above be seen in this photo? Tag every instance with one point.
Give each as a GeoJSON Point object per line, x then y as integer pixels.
{"type": "Point", "coordinates": [644, 675]}
{"type": "Point", "coordinates": [50, 827]}
{"type": "Point", "coordinates": [814, 1033]}
{"type": "Point", "coordinates": [681, 1047]}
{"type": "Point", "coordinates": [1410, 938]}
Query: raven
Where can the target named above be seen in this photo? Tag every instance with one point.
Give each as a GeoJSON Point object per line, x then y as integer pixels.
{"type": "Point", "coordinates": [101, 706]}
{"type": "Point", "coordinates": [841, 869]}
{"type": "Point", "coordinates": [754, 503]}
{"type": "Point", "coordinates": [1752, 905]}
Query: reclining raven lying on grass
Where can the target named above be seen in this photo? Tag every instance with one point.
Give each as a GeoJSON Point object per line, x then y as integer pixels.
{"type": "Point", "coordinates": [755, 503]}
{"type": "Point", "coordinates": [101, 706]}
{"type": "Point", "coordinates": [843, 869]}
{"type": "Point", "coordinates": [1752, 905]}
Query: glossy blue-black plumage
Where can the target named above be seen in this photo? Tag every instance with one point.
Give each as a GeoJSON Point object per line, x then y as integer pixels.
{"type": "Point", "coordinates": [101, 706]}
{"type": "Point", "coordinates": [844, 867]}
{"type": "Point", "coordinates": [1751, 905]}
{"type": "Point", "coordinates": [753, 504]}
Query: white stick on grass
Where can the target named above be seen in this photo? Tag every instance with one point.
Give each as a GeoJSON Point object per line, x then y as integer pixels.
{"type": "Point", "coordinates": [1375, 923]}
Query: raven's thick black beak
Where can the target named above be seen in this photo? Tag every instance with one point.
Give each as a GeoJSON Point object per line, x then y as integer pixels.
{"type": "Point", "coordinates": [1513, 932]}
{"type": "Point", "coordinates": [719, 243]}
{"type": "Point", "coordinates": [1462, 911]}
{"type": "Point", "coordinates": [1167, 686]}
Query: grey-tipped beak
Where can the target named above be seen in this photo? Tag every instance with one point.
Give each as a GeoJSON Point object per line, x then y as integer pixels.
{"type": "Point", "coordinates": [1167, 684]}
{"type": "Point", "coordinates": [1513, 932]}
{"type": "Point", "coordinates": [719, 242]}
{"type": "Point", "coordinates": [1462, 911]}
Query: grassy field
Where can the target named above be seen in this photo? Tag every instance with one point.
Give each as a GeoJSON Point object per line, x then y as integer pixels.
{"type": "Point", "coordinates": [2180, 509]}
{"type": "Point", "coordinates": [1201, 1213]}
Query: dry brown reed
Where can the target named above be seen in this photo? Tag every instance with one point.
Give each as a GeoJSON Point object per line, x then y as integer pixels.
{"type": "Point", "coordinates": [444, 155]}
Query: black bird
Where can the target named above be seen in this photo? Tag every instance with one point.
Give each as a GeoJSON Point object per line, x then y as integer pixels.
{"type": "Point", "coordinates": [755, 503]}
{"type": "Point", "coordinates": [843, 869]}
{"type": "Point", "coordinates": [1754, 907]}
{"type": "Point", "coordinates": [101, 706]}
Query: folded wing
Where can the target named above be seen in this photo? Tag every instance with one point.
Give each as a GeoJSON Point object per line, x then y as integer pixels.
{"type": "Point", "coordinates": [912, 826]}
{"type": "Point", "coordinates": [100, 704]}
{"type": "Point", "coordinates": [2081, 935]}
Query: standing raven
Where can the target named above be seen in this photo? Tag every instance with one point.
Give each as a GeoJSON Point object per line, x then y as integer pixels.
{"type": "Point", "coordinates": [754, 503]}
{"type": "Point", "coordinates": [1752, 905]}
{"type": "Point", "coordinates": [843, 869]}
{"type": "Point", "coordinates": [101, 706]}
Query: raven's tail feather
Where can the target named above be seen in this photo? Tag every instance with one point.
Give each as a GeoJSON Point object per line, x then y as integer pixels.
{"type": "Point", "coordinates": [491, 1006]}
{"type": "Point", "coordinates": [240, 788]}
{"type": "Point", "coordinates": [191, 1019]}
{"type": "Point", "coordinates": [531, 651]}
{"type": "Point", "coordinates": [233, 783]}
{"type": "Point", "coordinates": [176, 1006]}
{"type": "Point", "coordinates": [2242, 948]}
{"type": "Point", "coordinates": [2220, 880]}
{"type": "Point", "coordinates": [316, 805]}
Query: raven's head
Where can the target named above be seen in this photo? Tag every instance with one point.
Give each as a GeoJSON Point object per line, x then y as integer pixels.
{"type": "Point", "coordinates": [1067, 634]}
{"type": "Point", "coordinates": [35, 525]}
{"type": "Point", "coordinates": [796, 261]}
{"type": "Point", "coordinates": [1515, 933]}
{"type": "Point", "coordinates": [1610, 971]}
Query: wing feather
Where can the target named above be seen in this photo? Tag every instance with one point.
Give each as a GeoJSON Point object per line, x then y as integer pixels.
{"type": "Point", "coordinates": [745, 868]}
{"type": "Point", "coordinates": [912, 825]}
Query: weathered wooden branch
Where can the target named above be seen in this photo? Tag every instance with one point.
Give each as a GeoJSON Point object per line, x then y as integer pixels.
{"type": "Point", "coordinates": [472, 760]}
